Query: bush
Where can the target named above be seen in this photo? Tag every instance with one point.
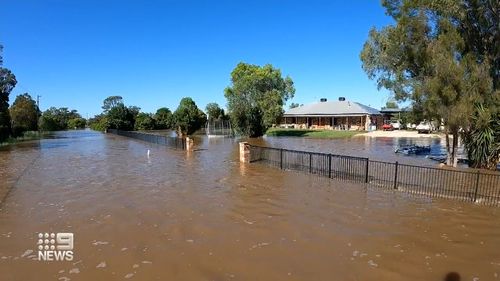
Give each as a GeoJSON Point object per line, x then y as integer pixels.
{"type": "Point", "coordinates": [144, 121]}
{"type": "Point", "coordinates": [188, 118]}
{"type": "Point", "coordinates": [482, 142]}
{"type": "Point", "coordinates": [77, 123]}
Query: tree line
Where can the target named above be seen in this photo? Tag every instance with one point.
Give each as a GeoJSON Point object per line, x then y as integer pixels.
{"type": "Point", "coordinates": [25, 116]}
{"type": "Point", "coordinates": [185, 120]}
{"type": "Point", "coordinates": [255, 99]}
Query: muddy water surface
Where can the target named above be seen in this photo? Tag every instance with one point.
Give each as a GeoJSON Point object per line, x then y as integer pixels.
{"type": "Point", "coordinates": [202, 215]}
{"type": "Point", "coordinates": [375, 148]}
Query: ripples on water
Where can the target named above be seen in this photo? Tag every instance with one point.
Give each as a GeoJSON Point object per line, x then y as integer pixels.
{"type": "Point", "coordinates": [201, 215]}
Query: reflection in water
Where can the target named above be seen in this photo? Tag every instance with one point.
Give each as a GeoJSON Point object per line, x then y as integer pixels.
{"type": "Point", "coordinates": [203, 216]}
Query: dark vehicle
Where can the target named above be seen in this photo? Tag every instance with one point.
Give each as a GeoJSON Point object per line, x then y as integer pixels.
{"type": "Point", "coordinates": [413, 149]}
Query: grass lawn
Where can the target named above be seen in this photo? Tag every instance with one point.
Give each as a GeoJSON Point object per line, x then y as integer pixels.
{"type": "Point", "coordinates": [328, 134]}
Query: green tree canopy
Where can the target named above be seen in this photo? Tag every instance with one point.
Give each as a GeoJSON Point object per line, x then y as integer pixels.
{"type": "Point", "coordinates": [134, 110]}
{"type": "Point", "coordinates": [111, 102]}
{"type": "Point", "coordinates": [391, 104]}
{"type": "Point", "coordinates": [120, 117]}
{"type": "Point", "coordinates": [214, 111]}
{"type": "Point", "coordinates": [163, 118]}
{"type": "Point", "coordinates": [256, 98]}
{"type": "Point", "coordinates": [77, 123]}
{"type": "Point", "coordinates": [188, 118]}
{"type": "Point", "coordinates": [294, 105]}
{"type": "Point", "coordinates": [115, 115]}
{"type": "Point", "coordinates": [441, 56]}
{"type": "Point", "coordinates": [7, 83]}
{"type": "Point", "coordinates": [56, 119]}
{"type": "Point", "coordinates": [144, 121]}
{"type": "Point", "coordinates": [98, 122]}
{"type": "Point", "coordinates": [24, 114]}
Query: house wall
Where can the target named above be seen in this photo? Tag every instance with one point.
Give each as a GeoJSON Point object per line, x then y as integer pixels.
{"type": "Point", "coordinates": [332, 123]}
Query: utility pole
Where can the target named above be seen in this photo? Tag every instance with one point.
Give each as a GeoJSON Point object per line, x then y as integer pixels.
{"type": "Point", "coordinates": [39, 111]}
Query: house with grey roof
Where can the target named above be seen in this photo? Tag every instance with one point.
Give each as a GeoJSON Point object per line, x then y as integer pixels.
{"type": "Point", "coordinates": [333, 115]}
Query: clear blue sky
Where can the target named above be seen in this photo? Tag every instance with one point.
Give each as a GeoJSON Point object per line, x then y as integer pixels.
{"type": "Point", "coordinates": [153, 53]}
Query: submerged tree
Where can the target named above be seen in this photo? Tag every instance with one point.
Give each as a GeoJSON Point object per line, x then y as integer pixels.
{"type": "Point", "coordinates": [144, 121]}
{"type": "Point", "coordinates": [120, 117]}
{"type": "Point", "coordinates": [115, 115]}
{"type": "Point", "coordinates": [163, 118]}
{"type": "Point", "coordinates": [98, 122]}
{"type": "Point", "coordinates": [24, 114]}
{"type": "Point", "coordinates": [7, 83]}
{"type": "Point", "coordinates": [77, 123]}
{"type": "Point", "coordinates": [256, 97]}
{"type": "Point", "coordinates": [56, 119]}
{"type": "Point", "coordinates": [437, 55]}
{"type": "Point", "coordinates": [188, 118]}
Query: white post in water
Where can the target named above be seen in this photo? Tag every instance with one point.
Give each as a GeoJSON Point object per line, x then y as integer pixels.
{"type": "Point", "coordinates": [244, 152]}
{"type": "Point", "coordinates": [189, 143]}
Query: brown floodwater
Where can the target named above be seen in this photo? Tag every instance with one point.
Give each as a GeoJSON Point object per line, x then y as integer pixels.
{"type": "Point", "coordinates": [201, 215]}
{"type": "Point", "coordinates": [380, 148]}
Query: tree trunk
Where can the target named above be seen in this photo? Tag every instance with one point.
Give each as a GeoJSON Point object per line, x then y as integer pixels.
{"type": "Point", "coordinates": [448, 150]}
{"type": "Point", "coordinates": [451, 149]}
{"type": "Point", "coordinates": [455, 148]}
{"type": "Point", "coordinates": [180, 134]}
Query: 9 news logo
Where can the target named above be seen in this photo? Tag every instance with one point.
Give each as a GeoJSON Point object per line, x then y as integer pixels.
{"type": "Point", "coordinates": [55, 246]}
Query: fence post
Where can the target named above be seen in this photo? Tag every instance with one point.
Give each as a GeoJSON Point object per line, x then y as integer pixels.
{"type": "Point", "coordinates": [189, 143]}
{"type": "Point", "coordinates": [477, 185]}
{"type": "Point", "coordinates": [310, 162]}
{"type": "Point", "coordinates": [244, 152]}
{"type": "Point", "coordinates": [329, 166]}
{"type": "Point", "coordinates": [366, 170]}
{"type": "Point", "coordinates": [281, 158]}
{"type": "Point", "coordinates": [396, 176]}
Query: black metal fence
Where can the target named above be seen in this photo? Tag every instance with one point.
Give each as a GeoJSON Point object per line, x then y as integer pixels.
{"type": "Point", "coordinates": [179, 143]}
{"type": "Point", "coordinates": [483, 188]}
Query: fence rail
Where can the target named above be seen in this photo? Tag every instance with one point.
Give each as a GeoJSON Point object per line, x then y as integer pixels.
{"type": "Point", "coordinates": [483, 188]}
{"type": "Point", "coordinates": [179, 143]}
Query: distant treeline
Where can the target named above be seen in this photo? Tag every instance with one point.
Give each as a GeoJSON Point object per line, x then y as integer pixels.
{"type": "Point", "coordinates": [25, 116]}
{"type": "Point", "coordinates": [185, 120]}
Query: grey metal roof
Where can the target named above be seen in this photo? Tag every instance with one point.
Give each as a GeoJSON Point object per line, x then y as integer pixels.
{"type": "Point", "coordinates": [332, 108]}
{"type": "Point", "coordinates": [393, 110]}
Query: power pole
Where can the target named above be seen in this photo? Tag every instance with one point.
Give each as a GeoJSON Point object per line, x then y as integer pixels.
{"type": "Point", "coordinates": [39, 111]}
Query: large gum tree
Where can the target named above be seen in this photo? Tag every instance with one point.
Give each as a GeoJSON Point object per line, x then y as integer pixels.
{"type": "Point", "coordinates": [256, 97]}
{"type": "Point", "coordinates": [440, 55]}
